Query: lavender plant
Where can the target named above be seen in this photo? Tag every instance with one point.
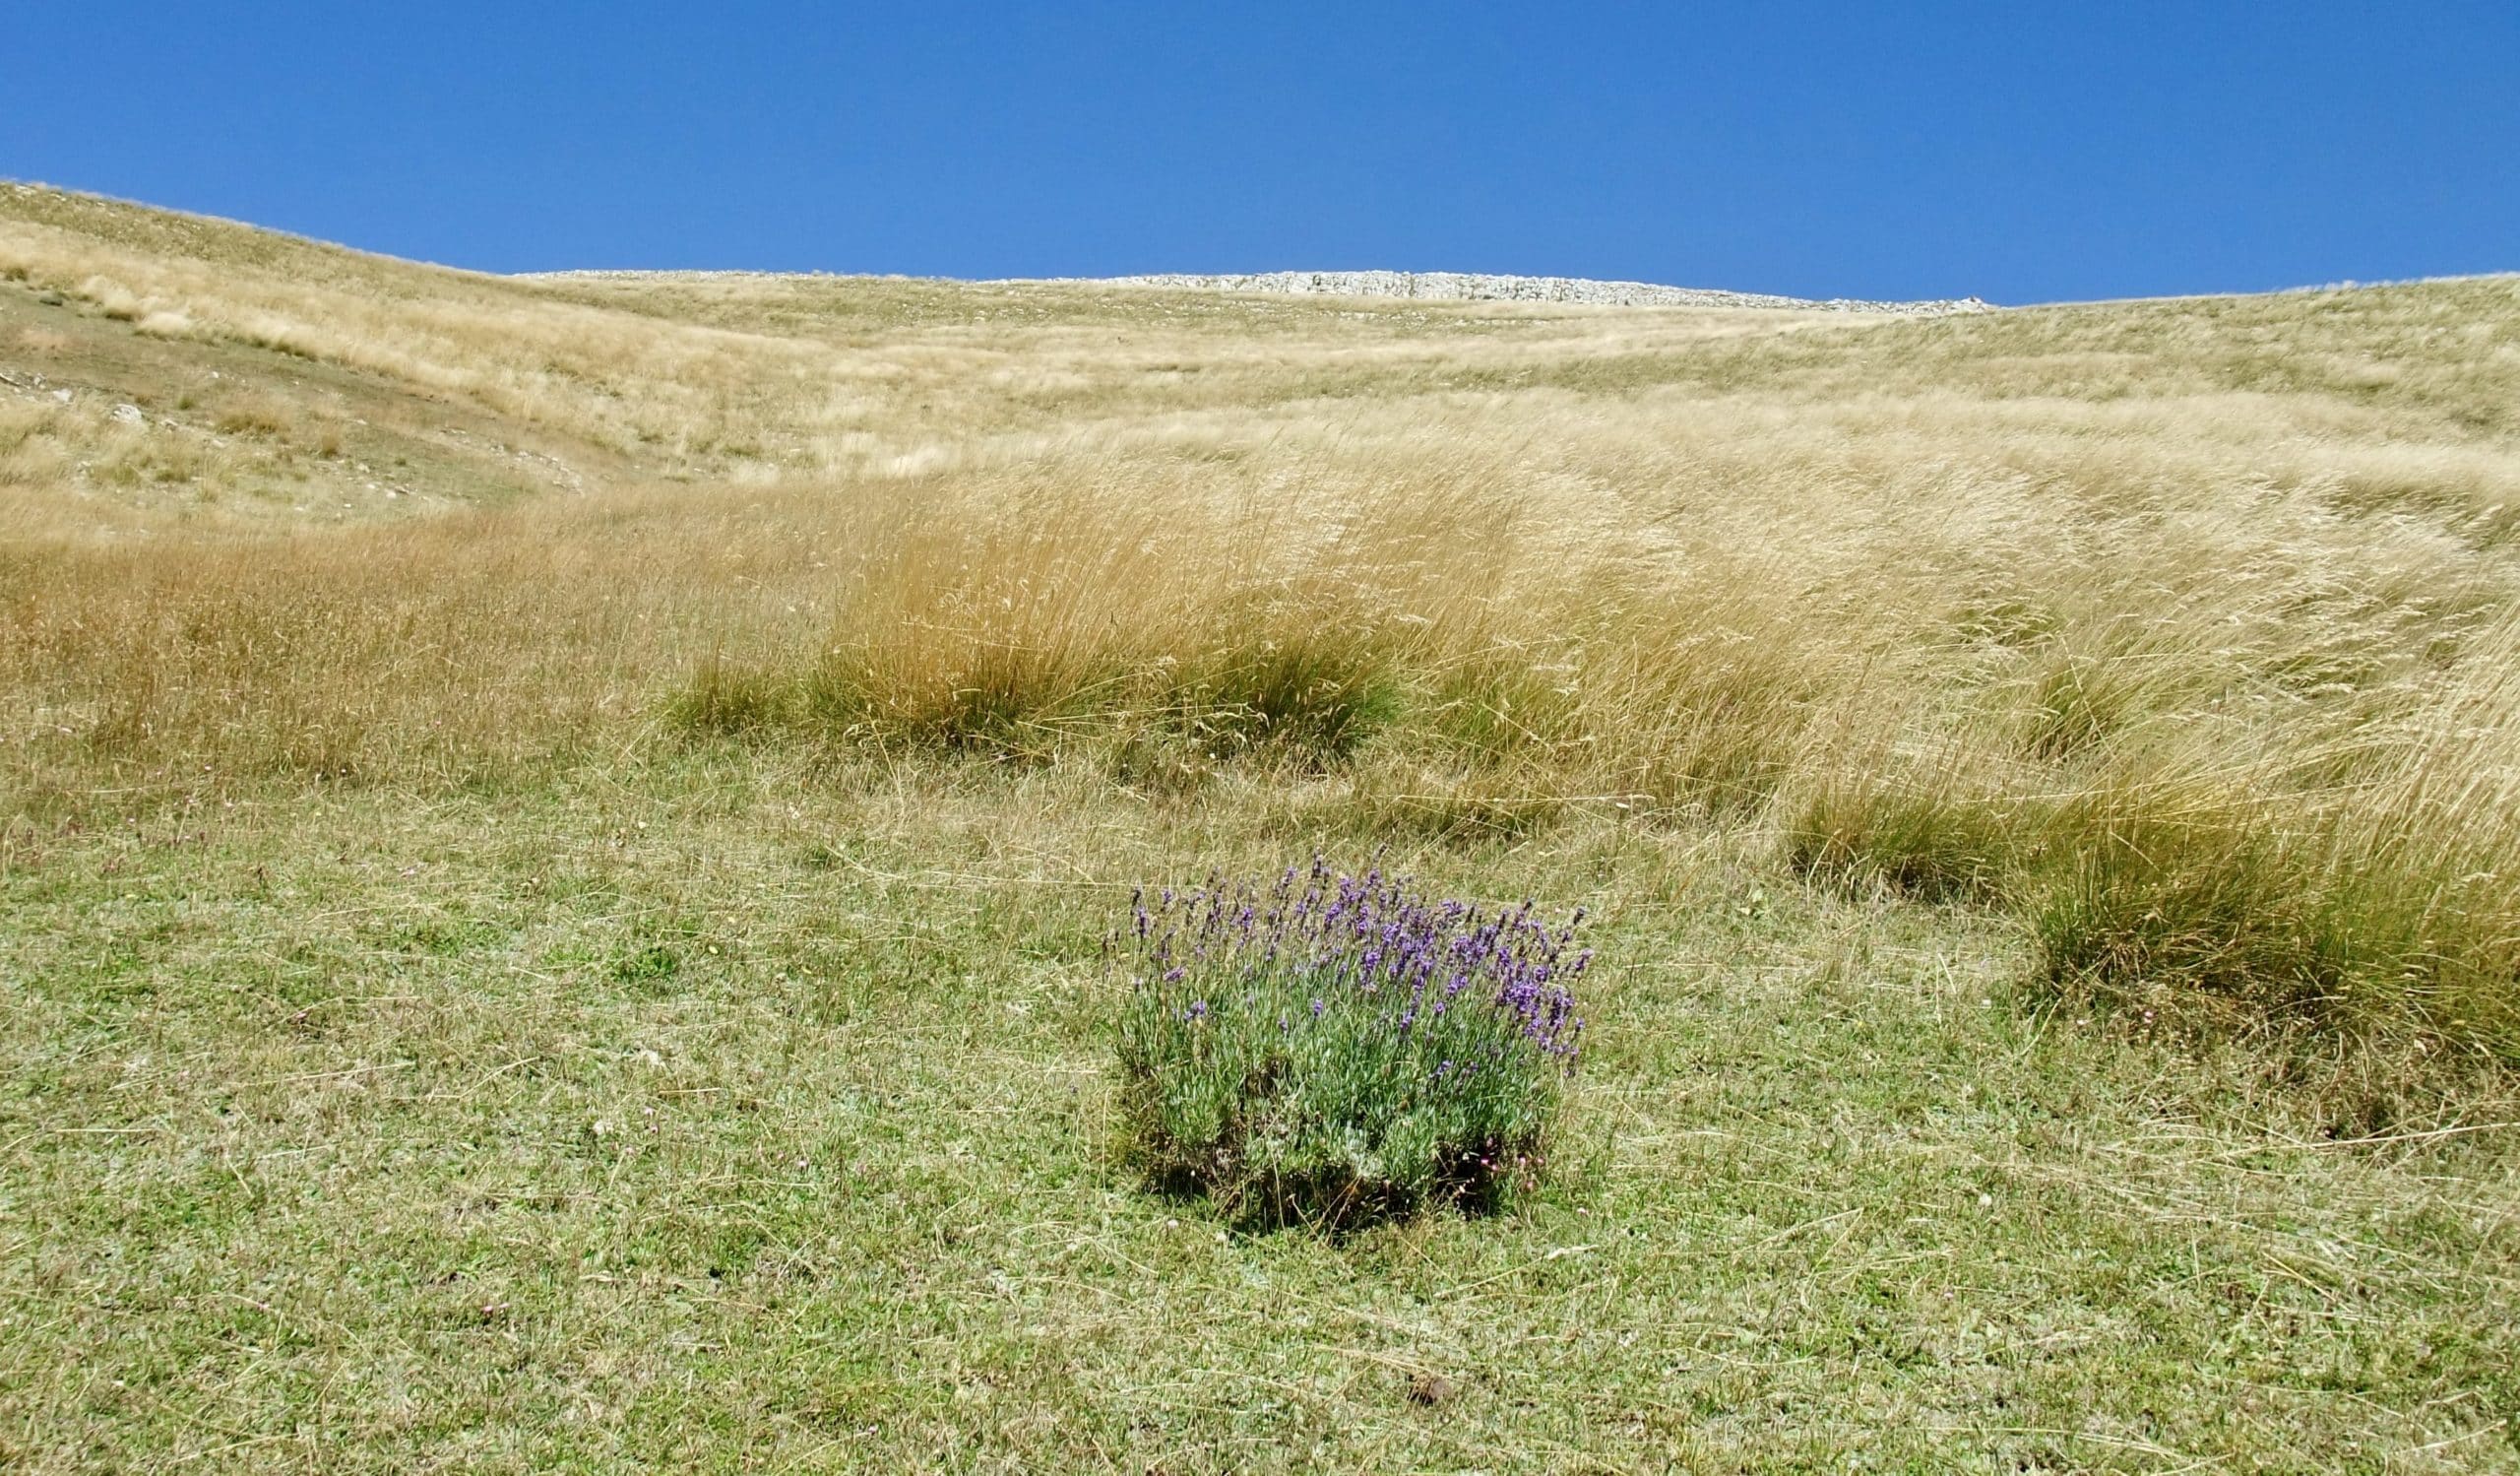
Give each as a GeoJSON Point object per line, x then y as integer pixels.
{"type": "Point", "coordinates": [1329, 1048]}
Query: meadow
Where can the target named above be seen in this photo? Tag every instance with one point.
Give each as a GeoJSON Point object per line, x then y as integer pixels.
{"type": "Point", "coordinates": [557, 836]}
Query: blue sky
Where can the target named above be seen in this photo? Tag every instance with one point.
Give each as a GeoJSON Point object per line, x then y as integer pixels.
{"type": "Point", "coordinates": [2023, 152]}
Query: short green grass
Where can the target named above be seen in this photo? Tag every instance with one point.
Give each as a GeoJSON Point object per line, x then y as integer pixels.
{"type": "Point", "coordinates": [702, 1111]}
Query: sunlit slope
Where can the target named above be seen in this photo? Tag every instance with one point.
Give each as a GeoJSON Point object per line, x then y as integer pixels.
{"type": "Point", "coordinates": [302, 361]}
{"type": "Point", "coordinates": [288, 376]}
{"type": "Point", "coordinates": [555, 837]}
{"type": "Point", "coordinates": [2182, 628]}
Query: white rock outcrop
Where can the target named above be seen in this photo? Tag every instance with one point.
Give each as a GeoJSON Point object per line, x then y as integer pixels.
{"type": "Point", "coordinates": [1476, 287]}
{"type": "Point", "coordinates": [1436, 286]}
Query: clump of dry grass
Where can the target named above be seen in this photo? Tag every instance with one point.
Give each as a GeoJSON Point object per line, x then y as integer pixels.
{"type": "Point", "coordinates": [2367, 886]}
{"type": "Point", "coordinates": [1026, 614]}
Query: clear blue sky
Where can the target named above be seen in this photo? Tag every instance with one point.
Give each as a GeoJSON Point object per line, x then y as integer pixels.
{"type": "Point", "coordinates": [2026, 151]}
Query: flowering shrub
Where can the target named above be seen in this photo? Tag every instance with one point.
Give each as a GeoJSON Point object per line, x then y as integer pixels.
{"type": "Point", "coordinates": [1329, 1048]}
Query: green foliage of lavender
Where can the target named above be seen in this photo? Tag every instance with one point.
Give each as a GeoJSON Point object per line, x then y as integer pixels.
{"type": "Point", "coordinates": [1330, 1049]}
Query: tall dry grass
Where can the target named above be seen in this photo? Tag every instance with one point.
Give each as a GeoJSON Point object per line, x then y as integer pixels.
{"type": "Point", "coordinates": [2184, 630]}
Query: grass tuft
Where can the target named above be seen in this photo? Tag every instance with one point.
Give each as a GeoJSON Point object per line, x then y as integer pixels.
{"type": "Point", "coordinates": [1930, 844]}
{"type": "Point", "coordinates": [723, 703]}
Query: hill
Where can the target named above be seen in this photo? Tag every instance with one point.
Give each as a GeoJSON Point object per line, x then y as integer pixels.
{"type": "Point", "coordinates": [556, 833]}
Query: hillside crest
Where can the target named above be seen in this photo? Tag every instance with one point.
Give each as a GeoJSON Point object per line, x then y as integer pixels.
{"type": "Point", "coordinates": [1481, 286]}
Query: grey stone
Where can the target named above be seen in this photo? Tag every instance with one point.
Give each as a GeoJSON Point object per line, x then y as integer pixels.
{"type": "Point", "coordinates": [1475, 287]}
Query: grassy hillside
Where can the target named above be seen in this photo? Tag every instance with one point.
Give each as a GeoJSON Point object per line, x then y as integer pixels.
{"type": "Point", "coordinates": [554, 834]}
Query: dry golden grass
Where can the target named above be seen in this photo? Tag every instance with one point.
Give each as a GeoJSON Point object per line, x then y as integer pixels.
{"type": "Point", "coordinates": [2185, 628]}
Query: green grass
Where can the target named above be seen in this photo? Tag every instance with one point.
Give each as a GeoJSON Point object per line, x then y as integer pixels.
{"type": "Point", "coordinates": [698, 1111]}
